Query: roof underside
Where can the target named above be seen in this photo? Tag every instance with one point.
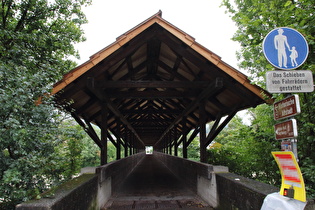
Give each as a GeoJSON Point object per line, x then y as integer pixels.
{"type": "Point", "coordinates": [152, 82]}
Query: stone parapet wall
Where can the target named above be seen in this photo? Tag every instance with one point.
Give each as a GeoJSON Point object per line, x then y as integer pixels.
{"type": "Point", "coordinates": [79, 193]}
{"type": "Point", "coordinates": [88, 191]}
{"type": "Point", "coordinates": [118, 170]}
{"type": "Point", "coordinates": [199, 177]}
{"type": "Point", "coordinates": [235, 191]}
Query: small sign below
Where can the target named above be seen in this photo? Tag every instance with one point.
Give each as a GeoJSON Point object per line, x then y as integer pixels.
{"type": "Point", "coordinates": [286, 145]}
{"type": "Point", "coordinates": [286, 130]}
{"type": "Point", "coordinates": [295, 81]}
{"type": "Point", "coordinates": [287, 107]}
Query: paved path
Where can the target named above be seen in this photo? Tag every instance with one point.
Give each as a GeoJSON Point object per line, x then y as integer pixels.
{"type": "Point", "coordinates": [152, 186]}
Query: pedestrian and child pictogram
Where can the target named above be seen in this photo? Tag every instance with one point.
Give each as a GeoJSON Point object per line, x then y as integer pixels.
{"type": "Point", "coordinates": [285, 48]}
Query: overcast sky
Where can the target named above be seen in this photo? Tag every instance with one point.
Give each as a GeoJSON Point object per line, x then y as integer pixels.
{"type": "Point", "coordinates": [204, 20]}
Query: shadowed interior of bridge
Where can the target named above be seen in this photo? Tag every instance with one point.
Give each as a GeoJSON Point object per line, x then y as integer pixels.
{"type": "Point", "coordinates": [151, 185]}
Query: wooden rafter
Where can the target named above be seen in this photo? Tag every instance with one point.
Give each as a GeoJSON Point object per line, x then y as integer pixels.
{"type": "Point", "coordinates": [101, 96]}
{"type": "Point", "coordinates": [213, 133]}
{"type": "Point", "coordinates": [88, 130]}
{"type": "Point", "coordinates": [212, 89]}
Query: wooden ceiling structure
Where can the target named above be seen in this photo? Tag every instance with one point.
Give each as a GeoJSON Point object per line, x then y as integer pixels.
{"type": "Point", "coordinates": [152, 86]}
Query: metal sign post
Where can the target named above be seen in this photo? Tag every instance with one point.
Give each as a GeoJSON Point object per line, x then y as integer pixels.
{"type": "Point", "coordinates": [287, 49]}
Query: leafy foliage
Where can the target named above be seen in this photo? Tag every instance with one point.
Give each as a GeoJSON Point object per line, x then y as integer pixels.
{"type": "Point", "coordinates": [255, 18]}
{"type": "Point", "coordinates": [193, 151]}
{"type": "Point", "coordinates": [246, 151]}
{"type": "Point", "coordinates": [36, 40]}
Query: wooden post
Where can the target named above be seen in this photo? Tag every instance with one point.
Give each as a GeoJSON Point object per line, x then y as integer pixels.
{"type": "Point", "coordinates": [126, 142]}
{"type": "Point", "coordinates": [134, 145]}
{"type": "Point", "coordinates": [118, 156]}
{"type": "Point", "coordinates": [175, 144]}
{"type": "Point", "coordinates": [170, 143]}
{"type": "Point", "coordinates": [130, 143]}
{"type": "Point", "coordinates": [184, 139]}
{"type": "Point", "coordinates": [165, 146]}
{"type": "Point", "coordinates": [202, 134]}
{"type": "Point", "coordinates": [104, 133]}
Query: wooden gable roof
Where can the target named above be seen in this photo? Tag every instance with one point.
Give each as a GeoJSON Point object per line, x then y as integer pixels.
{"type": "Point", "coordinates": [152, 79]}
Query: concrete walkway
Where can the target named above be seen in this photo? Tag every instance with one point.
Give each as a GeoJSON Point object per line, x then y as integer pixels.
{"type": "Point", "coordinates": [152, 186]}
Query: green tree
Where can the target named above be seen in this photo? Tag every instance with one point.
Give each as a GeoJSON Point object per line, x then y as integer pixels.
{"type": "Point", "coordinates": [245, 150]}
{"type": "Point", "coordinates": [193, 151]}
{"type": "Point", "coordinates": [69, 150]}
{"type": "Point", "coordinates": [111, 152]}
{"type": "Point", "coordinates": [36, 40]}
{"type": "Point", "coordinates": [90, 152]}
{"type": "Point", "coordinates": [254, 19]}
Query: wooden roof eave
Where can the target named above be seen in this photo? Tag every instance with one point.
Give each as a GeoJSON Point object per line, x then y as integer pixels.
{"type": "Point", "coordinates": [184, 37]}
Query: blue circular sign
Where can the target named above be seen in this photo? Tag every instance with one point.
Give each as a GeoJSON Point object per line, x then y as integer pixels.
{"type": "Point", "coordinates": [285, 48]}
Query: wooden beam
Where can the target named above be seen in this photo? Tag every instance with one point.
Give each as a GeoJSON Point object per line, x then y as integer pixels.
{"type": "Point", "coordinates": [202, 125]}
{"type": "Point", "coordinates": [173, 72]}
{"type": "Point", "coordinates": [103, 99]}
{"type": "Point", "coordinates": [153, 84]}
{"type": "Point", "coordinates": [193, 135]}
{"type": "Point", "coordinates": [118, 141]}
{"type": "Point", "coordinates": [118, 54]}
{"type": "Point", "coordinates": [153, 52]}
{"type": "Point", "coordinates": [104, 134]}
{"type": "Point", "coordinates": [211, 90]}
{"type": "Point", "coordinates": [152, 111]}
{"type": "Point", "coordinates": [91, 129]}
{"type": "Point", "coordinates": [214, 126]}
{"type": "Point", "coordinates": [94, 137]}
{"type": "Point", "coordinates": [215, 132]}
{"type": "Point", "coordinates": [83, 108]}
{"type": "Point", "coordinates": [151, 94]}
{"type": "Point", "coordinates": [243, 93]}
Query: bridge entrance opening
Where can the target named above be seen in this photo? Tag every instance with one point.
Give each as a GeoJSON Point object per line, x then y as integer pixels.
{"type": "Point", "coordinates": [149, 150]}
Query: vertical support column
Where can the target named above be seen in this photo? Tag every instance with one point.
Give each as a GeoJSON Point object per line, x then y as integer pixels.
{"type": "Point", "coordinates": [175, 144]}
{"type": "Point", "coordinates": [126, 142]}
{"type": "Point", "coordinates": [118, 149]}
{"type": "Point", "coordinates": [185, 154]}
{"type": "Point", "coordinates": [170, 143]}
{"type": "Point", "coordinates": [165, 143]}
{"type": "Point", "coordinates": [104, 133]}
{"type": "Point", "coordinates": [130, 143]}
{"type": "Point", "coordinates": [118, 156]}
{"type": "Point", "coordinates": [202, 134]}
{"type": "Point", "coordinates": [134, 151]}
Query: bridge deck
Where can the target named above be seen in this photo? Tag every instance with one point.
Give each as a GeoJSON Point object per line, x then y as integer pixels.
{"type": "Point", "coordinates": [152, 185]}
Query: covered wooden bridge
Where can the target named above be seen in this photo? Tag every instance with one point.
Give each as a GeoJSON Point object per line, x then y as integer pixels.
{"type": "Point", "coordinates": [151, 87]}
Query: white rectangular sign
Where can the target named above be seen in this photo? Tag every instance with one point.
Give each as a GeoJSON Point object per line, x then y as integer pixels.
{"type": "Point", "coordinates": [293, 81]}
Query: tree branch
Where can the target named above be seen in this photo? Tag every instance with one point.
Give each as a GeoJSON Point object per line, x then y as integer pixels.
{"type": "Point", "coordinates": [23, 17]}
{"type": "Point", "coordinates": [5, 14]}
